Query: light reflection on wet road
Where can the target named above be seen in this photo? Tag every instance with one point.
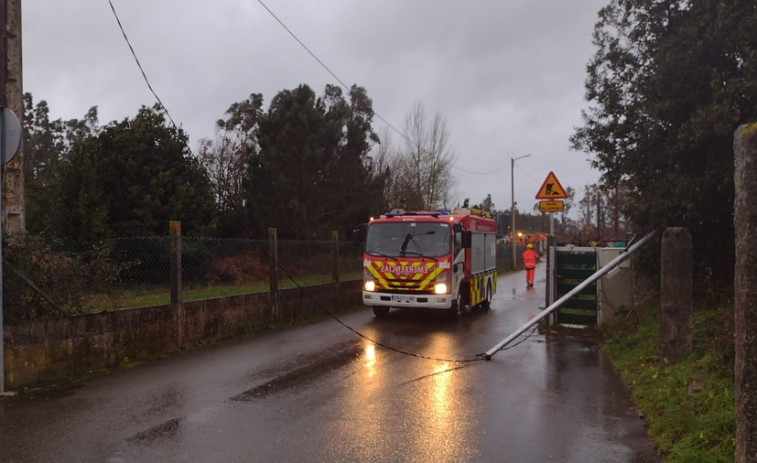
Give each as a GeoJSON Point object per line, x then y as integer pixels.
{"type": "Point", "coordinates": [320, 393]}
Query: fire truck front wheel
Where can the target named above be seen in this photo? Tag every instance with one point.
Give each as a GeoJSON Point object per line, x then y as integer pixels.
{"type": "Point", "coordinates": [380, 311]}
{"type": "Point", "coordinates": [458, 305]}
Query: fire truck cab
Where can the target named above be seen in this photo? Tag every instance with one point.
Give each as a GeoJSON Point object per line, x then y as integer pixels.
{"type": "Point", "coordinates": [430, 260]}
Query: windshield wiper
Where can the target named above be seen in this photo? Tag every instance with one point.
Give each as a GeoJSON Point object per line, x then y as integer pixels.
{"type": "Point", "coordinates": [410, 237]}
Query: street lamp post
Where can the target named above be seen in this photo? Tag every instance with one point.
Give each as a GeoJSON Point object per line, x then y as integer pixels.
{"type": "Point", "coordinates": [512, 207]}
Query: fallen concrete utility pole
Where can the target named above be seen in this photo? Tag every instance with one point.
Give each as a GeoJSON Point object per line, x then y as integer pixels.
{"type": "Point", "coordinates": [599, 273]}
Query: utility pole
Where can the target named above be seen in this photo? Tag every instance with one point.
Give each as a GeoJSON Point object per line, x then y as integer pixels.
{"type": "Point", "coordinates": [513, 234]}
{"type": "Point", "coordinates": [12, 173]}
{"type": "Point", "coordinates": [11, 92]}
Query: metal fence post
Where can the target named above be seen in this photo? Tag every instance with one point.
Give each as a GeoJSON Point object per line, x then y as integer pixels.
{"type": "Point", "coordinates": [273, 275]}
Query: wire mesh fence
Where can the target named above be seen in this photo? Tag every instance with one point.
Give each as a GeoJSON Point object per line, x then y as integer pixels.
{"type": "Point", "coordinates": [44, 279]}
{"type": "Point", "coordinates": [48, 279]}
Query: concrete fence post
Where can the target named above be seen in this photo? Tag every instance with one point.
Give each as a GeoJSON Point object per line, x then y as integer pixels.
{"type": "Point", "coordinates": [745, 292]}
{"type": "Point", "coordinates": [175, 278]}
{"type": "Point", "coordinates": [676, 307]}
{"type": "Point", "coordinates": [273, 272]}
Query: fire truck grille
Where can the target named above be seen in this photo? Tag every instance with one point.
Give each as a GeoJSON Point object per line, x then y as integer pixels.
{"type": "Point", "coordinates": [395, 285]}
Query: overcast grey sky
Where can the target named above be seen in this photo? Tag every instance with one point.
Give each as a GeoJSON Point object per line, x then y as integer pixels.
{"type": "Point", "coordinates": [506, 75]}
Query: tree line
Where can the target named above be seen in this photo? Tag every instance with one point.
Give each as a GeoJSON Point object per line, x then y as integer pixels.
{"type": "Point", "coordinates": [307, 165]}
{"type": "Point", "coordinates": [668, 85]}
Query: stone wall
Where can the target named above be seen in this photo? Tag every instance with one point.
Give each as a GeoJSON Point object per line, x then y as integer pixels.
{"type": "Point", "coordinates": [49, 349]}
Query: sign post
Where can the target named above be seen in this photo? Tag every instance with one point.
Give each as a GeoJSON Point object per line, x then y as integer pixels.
{"type": "Point", "coordinates": [551, 195]}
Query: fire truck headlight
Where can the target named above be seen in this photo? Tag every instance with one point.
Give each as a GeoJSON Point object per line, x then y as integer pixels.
{"type": "Point", "coordinates": [370, 285]}
{"type": "Point", "coordinates": [440, 288]}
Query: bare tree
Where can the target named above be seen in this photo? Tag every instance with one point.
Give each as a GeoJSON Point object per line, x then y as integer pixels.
{"type": "Point", "coordinates": [422, 171]}
{"type": "Point", "coordinates": [224, 159]}
{"type": "Point", "coordinates": [384, 157]}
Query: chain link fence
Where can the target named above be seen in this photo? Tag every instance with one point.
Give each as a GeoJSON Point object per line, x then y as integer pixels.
{"type": "Point", "coordinates": [49, 279]}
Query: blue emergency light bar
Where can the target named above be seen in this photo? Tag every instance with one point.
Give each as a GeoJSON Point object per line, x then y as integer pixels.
{"type": "Point", "coordinates": [400, 213]}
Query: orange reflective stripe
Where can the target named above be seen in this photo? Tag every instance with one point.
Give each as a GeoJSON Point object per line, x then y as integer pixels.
{"type": "Point", "coordinates": [402, 278]}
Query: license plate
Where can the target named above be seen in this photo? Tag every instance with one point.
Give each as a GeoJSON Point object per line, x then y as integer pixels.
{"type": "Point", "coordinates": [402, 298]}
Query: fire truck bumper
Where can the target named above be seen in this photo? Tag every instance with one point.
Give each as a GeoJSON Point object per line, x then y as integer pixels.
{"type": "Point", "coordinates": [419, 301]}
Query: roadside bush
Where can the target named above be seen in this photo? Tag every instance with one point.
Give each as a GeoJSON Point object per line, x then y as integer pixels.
{"type": "Point", "coordinates": [62, 278]}
{"type": "Point", "coordinates": [240, 269]}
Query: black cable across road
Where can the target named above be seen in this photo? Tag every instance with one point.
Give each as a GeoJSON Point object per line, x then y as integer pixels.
{"type": "Point", "coordinates": [373, 341]}
{"type": "Point", "coordinates": [477, 358]}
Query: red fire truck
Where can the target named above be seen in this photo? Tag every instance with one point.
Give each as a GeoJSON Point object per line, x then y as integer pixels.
{"type": "Point", "coordinates": [430, 260]}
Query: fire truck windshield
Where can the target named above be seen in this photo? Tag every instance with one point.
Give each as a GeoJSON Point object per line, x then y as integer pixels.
{"type": "Point", "coordinates": [408, 239]}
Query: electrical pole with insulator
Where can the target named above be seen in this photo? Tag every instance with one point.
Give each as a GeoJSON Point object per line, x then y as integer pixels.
{"type": "Point", "coordinates": [11, 92]}
{"type": "Point", "coordinates": [11, 165]}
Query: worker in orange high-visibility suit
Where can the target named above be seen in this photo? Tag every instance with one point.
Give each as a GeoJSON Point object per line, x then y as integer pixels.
{"type": "Point", "coordinates": [529, 262]}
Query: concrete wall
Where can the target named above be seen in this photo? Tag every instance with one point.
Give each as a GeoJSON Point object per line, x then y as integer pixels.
{"type": "Point", "coordinates": [49, 349]}
{"type": "Point", "coordinates": [615, 298]}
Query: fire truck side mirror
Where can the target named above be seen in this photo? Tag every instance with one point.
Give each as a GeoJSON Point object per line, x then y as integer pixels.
{"type": "Point", "coordinates": [358, 234]}
{"type": "Point", "coordinates": [467, 237]}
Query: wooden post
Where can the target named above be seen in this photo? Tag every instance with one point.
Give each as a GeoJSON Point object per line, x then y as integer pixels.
{"type": "Point", "coordinates": [676, 308]}
{"type": "Point", "coordinates": [175, 246]}
{"type": "Point", "coordinates": [273, 274]}
{"type": "Point", "coordinates": [745, 292]}
{"type": "Point", "coordinates": [175, 279]}
{"type": "Point", "coordinates": [335, 257]}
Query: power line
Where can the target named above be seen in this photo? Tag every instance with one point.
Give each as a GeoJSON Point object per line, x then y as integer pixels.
{"type": "Point", "coordinates": [323, 65]}
{"type": "Point", "coordinates": [141, 69]}
{"type": "Point", "coordinates": [303, 45]}
{"type": "Point", "coordinates": [490, 172]}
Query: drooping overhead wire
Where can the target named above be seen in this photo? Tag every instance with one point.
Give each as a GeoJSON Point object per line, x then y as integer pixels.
{"type": "Point", "coordinates": [141, 69]}
{"type": "Point", "coordinates": [488, 172]}
{"type": "Point", "coordinates": [303, 45]}
{"type": "Point", "coordinates": [321, 63]}
{"type": "Point", "coordinates": [346, 87]}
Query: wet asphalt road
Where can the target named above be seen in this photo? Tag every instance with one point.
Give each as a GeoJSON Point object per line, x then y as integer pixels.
{"type": "Point", "coordinates": [321, 393]}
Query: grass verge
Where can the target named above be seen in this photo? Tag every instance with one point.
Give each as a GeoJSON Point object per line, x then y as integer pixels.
{"type": "Point", "coordinates": [146, 296]}
{"type": "Point", "coordinates": [689, 405]}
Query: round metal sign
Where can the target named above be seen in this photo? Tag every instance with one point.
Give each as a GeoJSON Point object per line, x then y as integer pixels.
{"type": "Point", "coordinates": [10, 134]}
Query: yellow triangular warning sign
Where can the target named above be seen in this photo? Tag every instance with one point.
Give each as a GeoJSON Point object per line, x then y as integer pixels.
{"type": "Point", "coordinates": [551, 189]}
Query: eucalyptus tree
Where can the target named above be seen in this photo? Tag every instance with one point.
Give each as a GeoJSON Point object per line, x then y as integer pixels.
{"type": "Point", "coordinates": [225, 159]}
{"type": "Point", "coordinates": [46, 142]}
{"type": "Point", "coordinates": [313, 172]}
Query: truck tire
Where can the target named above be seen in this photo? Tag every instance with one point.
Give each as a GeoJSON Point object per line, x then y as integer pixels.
{"type": "Point", "coordinates": [458, 305]}
{"type": "Point", "coordinates": [486, 304]}
{"type": "Point", "coordinates": [380, 311]}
